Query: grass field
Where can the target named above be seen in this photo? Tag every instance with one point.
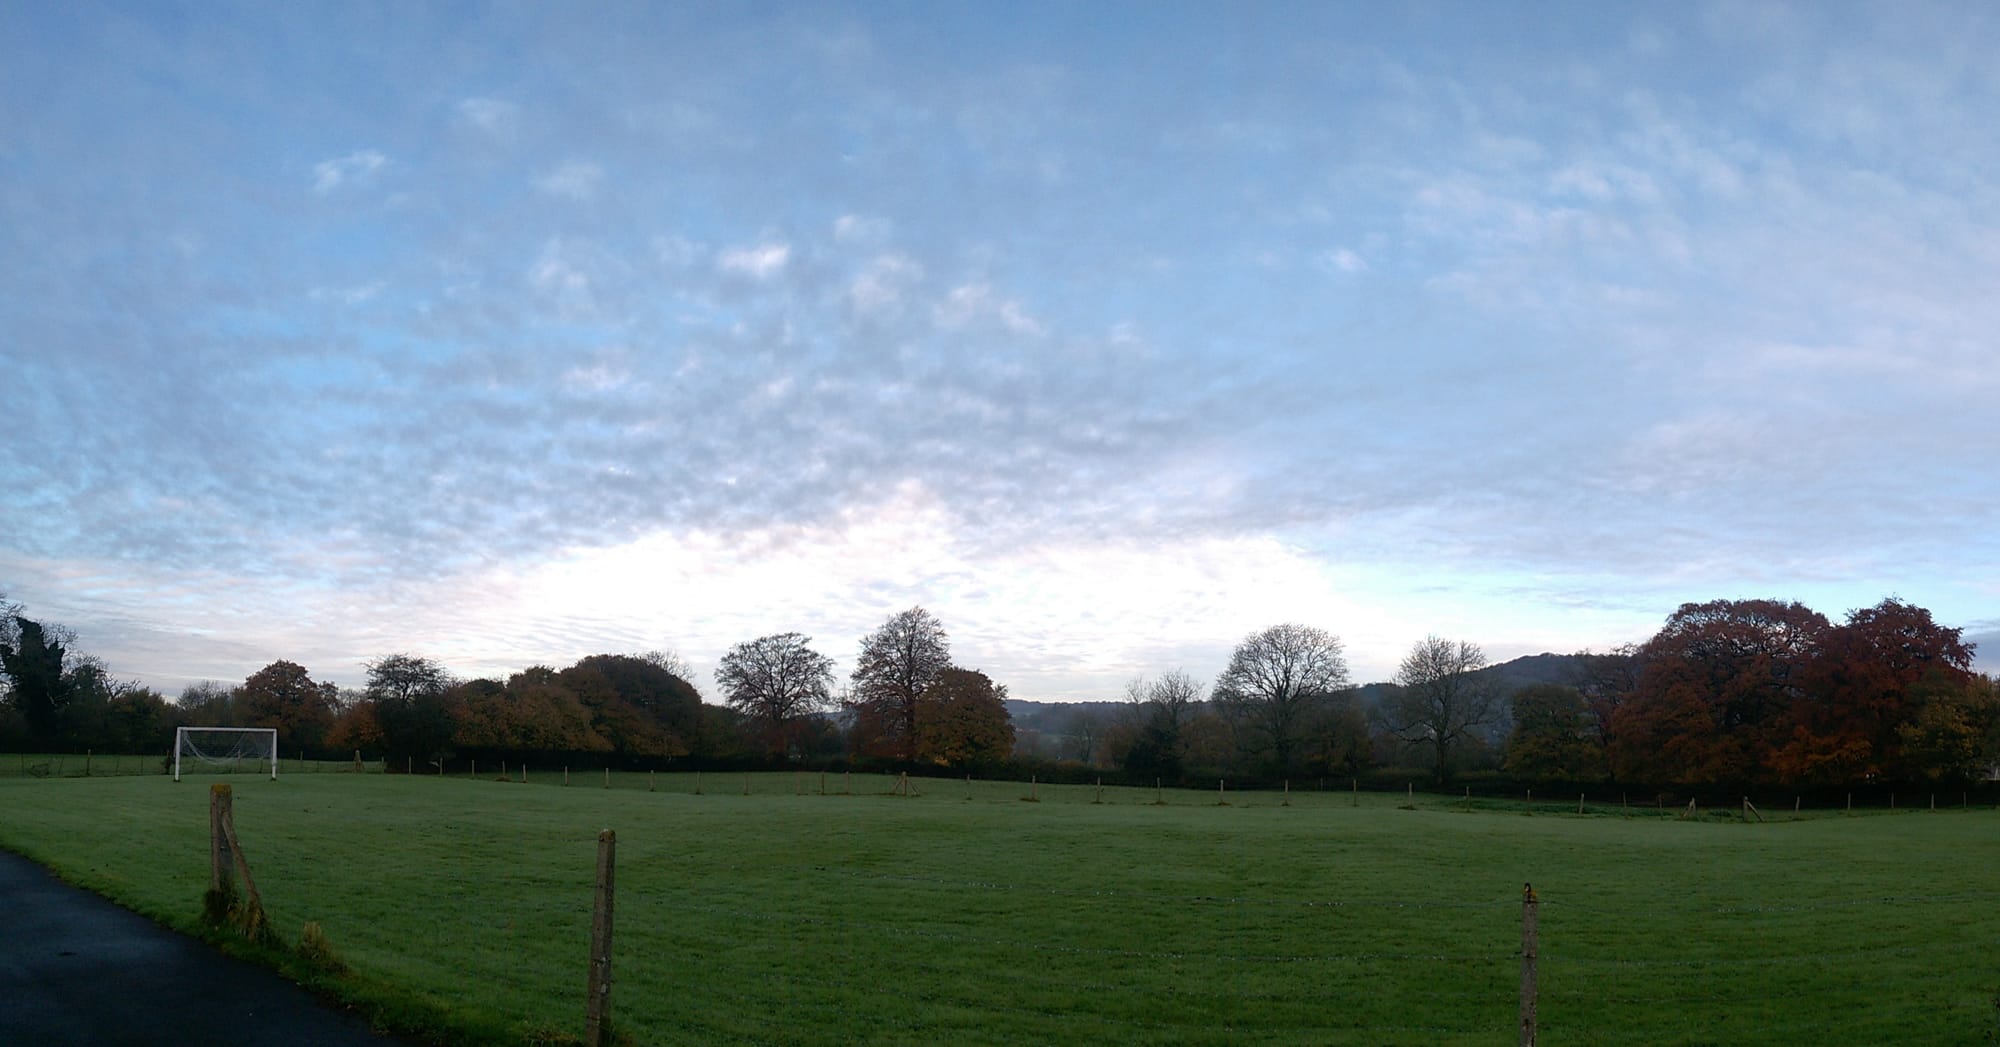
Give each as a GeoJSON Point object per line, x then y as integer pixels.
{"type": "Point", "coordinates": [968, 916]}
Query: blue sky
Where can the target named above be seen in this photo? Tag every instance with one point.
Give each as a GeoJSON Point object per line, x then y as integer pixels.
{"type": "Point", "coordinates": [508, 334]}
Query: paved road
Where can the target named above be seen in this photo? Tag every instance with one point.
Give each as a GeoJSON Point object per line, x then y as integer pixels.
{"type": "Point", "coordinates": [78, 970]}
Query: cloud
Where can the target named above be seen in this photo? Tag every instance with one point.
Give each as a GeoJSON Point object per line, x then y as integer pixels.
{"type": "Point", "coordinates": [971, 303]}
{"type": "Point", "coordinates": [490, 115]}
{"type": "Point", "coordinates": [1343, 260]}
{"type": "Point", "coordinates": [759, 263]}
{"type": "Point", "coordinates": [576, 180]}
{"type": "Point", "coordinates": [354, 168]}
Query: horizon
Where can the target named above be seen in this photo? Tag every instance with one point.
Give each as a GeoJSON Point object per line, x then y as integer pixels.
{"type": "Point", "coordinates": [1108, 334]}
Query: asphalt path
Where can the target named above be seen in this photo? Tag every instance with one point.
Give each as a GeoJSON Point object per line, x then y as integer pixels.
{"type": "Point", "coordinates": [78, 970]}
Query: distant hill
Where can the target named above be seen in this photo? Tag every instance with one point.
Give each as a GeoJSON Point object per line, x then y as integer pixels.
{"type": "Point", "coordinates": [1524, 671]}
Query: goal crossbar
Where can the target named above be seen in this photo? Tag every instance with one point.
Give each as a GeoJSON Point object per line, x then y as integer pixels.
{"type": "Point", "coordinates": [183, 743]}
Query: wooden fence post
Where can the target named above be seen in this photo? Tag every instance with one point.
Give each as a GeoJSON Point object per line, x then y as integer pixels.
{"type": "Point", "coordinates": [1529, 949]}
{"type": "Point", "coordinates": [219, 801]}
{"type": "Point", "coordinates": [597, 1009]}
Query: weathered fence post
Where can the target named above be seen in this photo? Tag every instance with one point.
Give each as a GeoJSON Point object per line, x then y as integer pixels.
{"type": "Point", "coordinates": [1528, 955]}
{"type": "Point", "coordinates": [219, 801]}
{"type": "Point", "coordinates": [597, 1009]}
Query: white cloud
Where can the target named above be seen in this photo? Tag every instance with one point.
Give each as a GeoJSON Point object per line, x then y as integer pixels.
{"type": "Point", "coordinates": [881, 285]}
{"type": "Point", "coordinates": [489, 114]}
{"type": "Point", "coordinates": [970, 303]}
{"type": "Point", "coordinates": [1343, 260]}
{"type": "Point", "coordinates": [352, 295]}
{"type": "Point", "coordinates": [358, 167]}
{"type": "Point", "coordinates": [761, 262]}
{"type": "Point", "coordinates": [576, 180]}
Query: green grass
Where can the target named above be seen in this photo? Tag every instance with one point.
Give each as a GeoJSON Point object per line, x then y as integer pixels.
{"type": "Point", "coordinates": [969, 915]}
{"type": "Point", "coordinates": [112, 765]}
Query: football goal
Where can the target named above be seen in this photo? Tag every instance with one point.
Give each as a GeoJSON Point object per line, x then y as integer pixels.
{"type": "Point", "coordinates": [228, 749]}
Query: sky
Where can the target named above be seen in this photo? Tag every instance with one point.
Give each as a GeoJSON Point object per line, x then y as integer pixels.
{"type": "Point", "coordinates": [1109, 333]}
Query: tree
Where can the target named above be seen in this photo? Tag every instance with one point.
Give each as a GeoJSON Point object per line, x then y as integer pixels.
{"type": "Point", "coordinates": [963, 722]}
{"type": "Point", "coordinates": [1553, 738]}
{"type": "Point", "coordinates": [1861, 689]}
{"type": "Point", "coordinates": [408, 697]}
{"type": "Point", "coordinates": [206, 703]}
{"type": "Point", "coordinates": [1606, 681]}
{"type": "Point", "coordinates": [898, 662]}
{"type": "Point", "coordinates": [1716, 692]}
{"type": "Point", "coordinates": [653, 710]}
{"type": "Point", "coordinates": [776, 681]}
{"type": "Point", "coordinates": [33, 663]}
{"type": "Point", "coordinates": [284, 696]}
{"type": "Point", "coordinates": [1440, 701]}
{"type": "Point", "coordinates": [1945, 738]}
{"type": "Point", "coordinates": [669, 662]}
{"type": "Point", "coordinates": [1276, 679]}
{"type": "Point", "coordinates": [1162, 708]}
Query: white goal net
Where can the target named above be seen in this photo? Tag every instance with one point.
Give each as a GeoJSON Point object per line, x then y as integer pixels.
{"type": "Point", "coordinates": [227, 749]}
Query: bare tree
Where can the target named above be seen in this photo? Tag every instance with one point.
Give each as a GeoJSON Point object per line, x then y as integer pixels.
{"type": "Point", "coordinates": [671, 661]}
{"type": "Point", "coordinates": [1440, 701]}
{"type": "Point", "coordinates": [898, 662]}
{"type": "Point", "coordinates": [777, 681]}
{"type": "Point", "coordinates": [1276, 678]}
{"type": "Point", "coordinates": [1161, 708]}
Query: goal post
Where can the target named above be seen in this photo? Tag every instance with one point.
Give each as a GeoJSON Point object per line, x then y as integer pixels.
{"type": "Point", "coordinates": [227, 747]}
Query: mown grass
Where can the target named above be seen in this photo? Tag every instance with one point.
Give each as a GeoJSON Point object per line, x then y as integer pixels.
{"type": "Point", "coordinates": [112, 765]}
{"type": "Point", "coordinates": [970, 915]}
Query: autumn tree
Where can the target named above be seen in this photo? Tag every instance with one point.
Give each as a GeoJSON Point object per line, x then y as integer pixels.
{"type": "Point", "coordinates": [1554, 736]}
{"type": "Point", "coordinates": [1716, 692]}
{"type": "Point", "coordinates": [283, 696]}
{"type": "Point", "coordinates": [1859, 692]}
{"type": "Point", "coordinates": [1275, 681]}
{"type": "Point", "coordinates": [963, 721]}
{"type": "Point", "coordinates": [1440, 702]}
{"type": "Point", "coordinates": [410, 704]}
{"type": "Point", "coordinates": [535, 711]}
{"type": "Point", "coordinates": [776, 681]}
{"type": "Point", "coordinates": [897, 663]}
{"type": "Point", "coordinates": [1948, 734]}
{"type": "Point", "coordinates": [647, 707]}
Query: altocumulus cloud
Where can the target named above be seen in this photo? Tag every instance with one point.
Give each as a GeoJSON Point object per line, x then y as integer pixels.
{"type": "Point", "coordinates": [689, 326]}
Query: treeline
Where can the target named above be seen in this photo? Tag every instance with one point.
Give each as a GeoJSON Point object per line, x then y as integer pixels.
{"type": "Point", "coordinates": [1730, 692]}
{"type": "Point", "coordinates": [906, 705]}
{"type": "Point", "coordinates": [1727, 693]}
